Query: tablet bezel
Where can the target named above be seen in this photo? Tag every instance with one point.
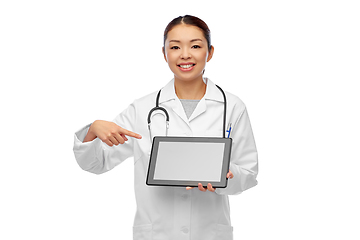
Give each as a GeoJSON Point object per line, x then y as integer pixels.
{"type": "Point", "coordinates": [180, 183]}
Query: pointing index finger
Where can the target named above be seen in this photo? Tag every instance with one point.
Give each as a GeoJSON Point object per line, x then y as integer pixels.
{"type": "Point", "coordinates": [131, 134]}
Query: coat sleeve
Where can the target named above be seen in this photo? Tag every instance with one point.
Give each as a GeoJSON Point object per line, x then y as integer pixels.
{"type": "Point", "coordinates": [244, 158]}
{"type": "Point", "coordinates": [96, 156]}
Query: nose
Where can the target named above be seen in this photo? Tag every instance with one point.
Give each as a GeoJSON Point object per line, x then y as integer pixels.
{"type": "Point", "coordinates": [185, 54]}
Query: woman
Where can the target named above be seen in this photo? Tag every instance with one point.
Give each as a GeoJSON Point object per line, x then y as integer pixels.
{"type": "Point", "coordinates": [195, 107]}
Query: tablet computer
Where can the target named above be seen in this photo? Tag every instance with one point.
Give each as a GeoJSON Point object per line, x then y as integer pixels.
{"type": "Point", "coordinates": [187, 161]}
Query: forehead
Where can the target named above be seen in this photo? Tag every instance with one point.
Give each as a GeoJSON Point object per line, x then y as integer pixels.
{"type": "Point", "coordinates": [183, 32]}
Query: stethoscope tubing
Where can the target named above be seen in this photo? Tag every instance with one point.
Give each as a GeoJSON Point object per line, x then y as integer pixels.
{"type": "Point", "coordinates": [167, 115]}
{"type": "Point", "coordinates": [224, 120]}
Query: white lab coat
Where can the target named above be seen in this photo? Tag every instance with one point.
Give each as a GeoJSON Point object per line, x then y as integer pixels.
{"type": "Point", "coordinates": [175, 213]}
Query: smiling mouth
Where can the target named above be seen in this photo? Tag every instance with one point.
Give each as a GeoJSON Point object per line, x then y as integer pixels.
{"type": "Point", "coordinates": [186, 66]}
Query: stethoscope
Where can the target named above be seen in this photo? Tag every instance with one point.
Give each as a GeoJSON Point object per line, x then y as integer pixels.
{"type": "Point", "coordinates": [167, 115]}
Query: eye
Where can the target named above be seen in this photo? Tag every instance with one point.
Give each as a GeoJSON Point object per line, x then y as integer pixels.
{"type": "Point", "coordinates": [174, 47]}
{"type": "Point", "coordinates": [196, 46]}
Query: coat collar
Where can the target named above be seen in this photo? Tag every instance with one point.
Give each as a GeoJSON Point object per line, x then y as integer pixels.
{"type": "Point", "coordinates": [212, 92]}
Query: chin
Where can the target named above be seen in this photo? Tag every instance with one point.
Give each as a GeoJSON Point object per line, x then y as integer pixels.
{"type": "Point", "coordinates": [188, 77]}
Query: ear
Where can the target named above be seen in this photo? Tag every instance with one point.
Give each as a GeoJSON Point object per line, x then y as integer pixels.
{"type": "Point", "coordinates": [163, 50]}
{"type": "Point", "coordinates": [210, 53]}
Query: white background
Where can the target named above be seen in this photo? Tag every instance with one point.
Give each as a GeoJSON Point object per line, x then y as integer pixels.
{"type": "Point", "coordinates": [295, 64]}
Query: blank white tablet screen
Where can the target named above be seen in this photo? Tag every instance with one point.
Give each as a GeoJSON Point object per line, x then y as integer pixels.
{"type": "Point", "coordinates": [191, 161]}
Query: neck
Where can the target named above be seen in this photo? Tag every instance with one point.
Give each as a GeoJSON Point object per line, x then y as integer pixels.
{"type": "Point", "coordinates": [194, 89]}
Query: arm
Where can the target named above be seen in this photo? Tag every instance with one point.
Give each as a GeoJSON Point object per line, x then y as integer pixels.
{"type": "Point", "coordinates": [244, 161]}
{"type": "Point", "coordinates": [94, 144]}
{"type": "Point", "coordinates": [109, 132]}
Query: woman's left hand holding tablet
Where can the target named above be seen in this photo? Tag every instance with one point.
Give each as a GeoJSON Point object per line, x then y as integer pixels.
{"type": "Point", "coordinates": [209, 186]}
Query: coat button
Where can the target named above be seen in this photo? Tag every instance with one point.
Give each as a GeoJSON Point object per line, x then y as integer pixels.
{"type": "Point", "coordinates": [185, 230]}
{"type": "Point", "coordinates": [185, 196]}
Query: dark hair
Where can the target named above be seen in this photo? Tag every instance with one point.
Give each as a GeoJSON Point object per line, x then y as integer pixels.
{"type": "Point", "coordinates": [189, 20]}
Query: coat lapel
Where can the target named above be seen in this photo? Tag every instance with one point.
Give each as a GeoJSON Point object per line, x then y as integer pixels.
{"type": "Point", "coordinates": [179, 110]}
{"type": "Point", "coordinates": [200, 108]}
{"type": "Point", "coordinates": [168, 95]}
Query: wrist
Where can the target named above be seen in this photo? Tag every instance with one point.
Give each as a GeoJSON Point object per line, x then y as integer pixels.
{"type": "Point", "coordinates": [90, 134]}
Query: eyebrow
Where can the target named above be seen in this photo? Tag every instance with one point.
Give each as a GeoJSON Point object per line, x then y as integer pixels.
{"type": "Point", "coordinates": [193, 40]}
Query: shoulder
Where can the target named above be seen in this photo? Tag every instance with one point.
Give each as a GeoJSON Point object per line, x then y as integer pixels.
{"type": "Point", "coordinates": [233, 102]}
{"type": "Point", "coordinates": [231, 99]}
{"type": "Point", "coordinates": [234, 99]}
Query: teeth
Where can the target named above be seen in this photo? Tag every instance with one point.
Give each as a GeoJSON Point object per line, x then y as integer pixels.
{"type": "Point", "coordinates": [186, 66]}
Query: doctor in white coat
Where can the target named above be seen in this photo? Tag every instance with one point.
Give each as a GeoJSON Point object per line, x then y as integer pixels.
{"type": "Point", "coordinates": [176, 213]}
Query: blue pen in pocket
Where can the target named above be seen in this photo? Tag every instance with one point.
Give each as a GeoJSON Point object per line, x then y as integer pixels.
{"type": "Point", "coordinates": [229, 130]}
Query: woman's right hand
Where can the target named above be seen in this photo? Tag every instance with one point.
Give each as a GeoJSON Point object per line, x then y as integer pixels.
{"type": "Point", "coordinates": [109, 132]}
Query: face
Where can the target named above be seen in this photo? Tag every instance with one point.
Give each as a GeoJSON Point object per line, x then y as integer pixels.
{"type": "Point", "coordinates": [186, 52]}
